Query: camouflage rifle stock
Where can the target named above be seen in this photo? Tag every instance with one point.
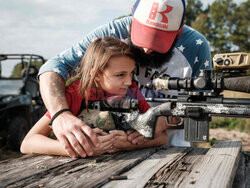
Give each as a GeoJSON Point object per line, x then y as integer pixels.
{"type": "Point", "coordinates": [118, 113]}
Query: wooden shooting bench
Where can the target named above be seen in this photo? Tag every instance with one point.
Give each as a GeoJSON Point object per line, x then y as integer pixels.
{"type": "Point", "coordinates": [223, 165]}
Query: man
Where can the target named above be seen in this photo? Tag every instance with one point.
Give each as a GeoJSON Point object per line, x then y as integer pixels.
{"type": "Point", "coordinates": [161, 41]}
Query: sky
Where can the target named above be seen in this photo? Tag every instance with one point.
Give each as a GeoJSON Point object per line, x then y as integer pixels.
{"type": "Point", "coordinates": [48, 27]}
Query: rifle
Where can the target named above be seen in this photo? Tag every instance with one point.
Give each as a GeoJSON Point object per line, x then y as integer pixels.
{"type": "Point", "coordinates": [201, 100]}
{"type": "Point", "coordinates": [202, 97]}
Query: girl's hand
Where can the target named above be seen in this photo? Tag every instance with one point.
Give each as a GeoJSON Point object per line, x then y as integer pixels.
{"type": "Point", "coordinates": [106, 142]}
{"type": "Point", "coordinates": [134, 137]}
{"type": "Point", "coordinates": [113, 150]}
{"type": "Point", "coordinates": [121, 139]}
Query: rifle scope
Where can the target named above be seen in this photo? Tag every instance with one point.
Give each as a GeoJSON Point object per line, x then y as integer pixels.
{"type": "Point", "coordinates": [202, 82]}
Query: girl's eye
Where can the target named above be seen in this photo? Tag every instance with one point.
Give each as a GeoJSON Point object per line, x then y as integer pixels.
{"type": "Point", "coordinates": [120, 75]}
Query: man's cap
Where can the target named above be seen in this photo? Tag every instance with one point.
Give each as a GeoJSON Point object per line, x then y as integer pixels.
{"type": "Point", "coordinates": [156, 23]}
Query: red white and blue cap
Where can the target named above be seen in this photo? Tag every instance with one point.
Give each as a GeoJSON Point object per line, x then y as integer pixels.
{"type": "Point", "coordinates": [156, 23]}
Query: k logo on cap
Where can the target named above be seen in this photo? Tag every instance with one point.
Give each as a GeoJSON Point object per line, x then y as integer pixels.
{"type": "Point", "coordinates": [154, 11]}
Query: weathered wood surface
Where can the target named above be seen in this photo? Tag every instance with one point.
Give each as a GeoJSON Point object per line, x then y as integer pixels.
{"type": "Point", "coordinates": [152, 167]}
{"type": "Point", "coordinates": [217, 168]}
{"type": "Point", "coordinates": [88, 172]}
{"type": "Point", "coordinates": [139, 176]}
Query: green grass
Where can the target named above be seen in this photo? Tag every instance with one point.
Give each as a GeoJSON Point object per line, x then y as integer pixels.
{"type": "Point", "coordinates": [241, 124]}
{"type": "Point", "coordinates": [231, 123]}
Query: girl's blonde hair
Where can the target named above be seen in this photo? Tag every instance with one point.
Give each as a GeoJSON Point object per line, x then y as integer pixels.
{"type": "Point", "coordinates": [96, 59]}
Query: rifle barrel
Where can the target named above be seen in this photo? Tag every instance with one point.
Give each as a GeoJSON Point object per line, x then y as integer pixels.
{"type": "Point", "coordinates": [244, 101]}
{"type": "Point", "coordinates": [241, 84]}
{"type": "Point", "coordinates": [161, 100]}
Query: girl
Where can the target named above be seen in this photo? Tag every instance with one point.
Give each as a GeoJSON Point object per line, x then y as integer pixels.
{"type": "Point", "coordinates": [107, 65]}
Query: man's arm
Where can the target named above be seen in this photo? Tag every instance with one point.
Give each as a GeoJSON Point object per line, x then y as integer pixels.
{"type": "Point", "coordinates": [52, 87]}
{"type": "Point", "coordinates": [68, 60]}
{"type": "Point", "coordinates": [196, 50]}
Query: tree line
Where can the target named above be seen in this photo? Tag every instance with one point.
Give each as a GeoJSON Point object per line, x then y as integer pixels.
{"type": "Point", "coordinates": [225, 24]}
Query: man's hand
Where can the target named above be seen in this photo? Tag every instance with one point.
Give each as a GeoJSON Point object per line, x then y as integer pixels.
{"type": "Point", "coordinates": [121, 139]}
{"type": "Point", "coordinates": [71, 131]}
{"type": "Point", "coordinates": [74, 135]}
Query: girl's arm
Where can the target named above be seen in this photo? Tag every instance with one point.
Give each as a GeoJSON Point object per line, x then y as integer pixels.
{"type": "Point", "coordinates": [37, 140]}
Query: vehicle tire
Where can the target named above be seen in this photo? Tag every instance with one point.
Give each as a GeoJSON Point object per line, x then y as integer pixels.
{"type": "Point", "coordinates": [18, 128]}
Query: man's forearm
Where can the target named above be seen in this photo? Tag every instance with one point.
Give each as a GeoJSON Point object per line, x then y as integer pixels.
{"type": "Point", "coordinates": [52, 87]}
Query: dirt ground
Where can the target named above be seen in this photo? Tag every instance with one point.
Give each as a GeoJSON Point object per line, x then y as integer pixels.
{"type": "Point", "coordinates": [224, 134]}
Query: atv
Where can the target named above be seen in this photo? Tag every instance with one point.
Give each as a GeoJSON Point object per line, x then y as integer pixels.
{"type": "Point", "coordinates": [21, 104]}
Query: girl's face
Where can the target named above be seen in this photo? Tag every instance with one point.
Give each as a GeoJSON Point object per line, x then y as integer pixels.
{"type": "Point", "coordinates": [117, 76]}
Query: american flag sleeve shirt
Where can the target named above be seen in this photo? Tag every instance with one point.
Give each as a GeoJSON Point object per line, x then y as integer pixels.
{"type": "Point", "coordinates": [191, 53]}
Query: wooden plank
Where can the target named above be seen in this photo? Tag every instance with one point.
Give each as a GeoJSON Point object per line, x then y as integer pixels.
{"type": "Point", "coordinates": [172, 175]}
{"type": "Point", "coordinates": [217, 168]}
{"type": "Point", "coordinates": [170, 167]}
{"type": "Point", "coordinates": [139, 175]}
{"type": "Point", "coordinates": [88, 172]}
{"type": "Point", "coordinates": [14, 170]}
